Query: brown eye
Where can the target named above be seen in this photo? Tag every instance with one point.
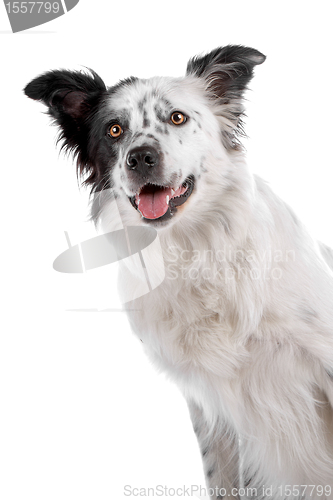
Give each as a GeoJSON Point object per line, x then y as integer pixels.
{"type": "Point", "coordinates": [177, 118]}
{"type": "Point", "coordinates": [115, 131]}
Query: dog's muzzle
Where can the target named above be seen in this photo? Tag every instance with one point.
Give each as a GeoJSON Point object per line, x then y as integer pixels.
{"type": "Point", "coordinates": [154, 200]}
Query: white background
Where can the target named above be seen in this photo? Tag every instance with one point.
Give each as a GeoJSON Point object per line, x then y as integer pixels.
{"type": "Point", "coordinates": [82, 411]}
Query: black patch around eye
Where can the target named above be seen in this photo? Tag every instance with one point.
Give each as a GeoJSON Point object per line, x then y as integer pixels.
{"type": "Point", "coordinates": [111, 137]}
{"type": "Point", "coordinates": [121, 118]}
{"type": "Point", "coordinates": [119, 121]}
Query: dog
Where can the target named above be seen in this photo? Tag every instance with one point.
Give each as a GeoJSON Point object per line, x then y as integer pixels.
{"type": "Point", "coordinates": [243, 320]}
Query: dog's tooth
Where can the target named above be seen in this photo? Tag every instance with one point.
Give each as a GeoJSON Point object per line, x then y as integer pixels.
{"type": "Point", "coordinates": [167, 199]}
{"type": "Point", "coordinates": [172, 192]}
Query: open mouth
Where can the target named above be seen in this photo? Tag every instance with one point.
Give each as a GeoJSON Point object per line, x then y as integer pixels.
{"type": "Point", "coordinates": [155, 202]}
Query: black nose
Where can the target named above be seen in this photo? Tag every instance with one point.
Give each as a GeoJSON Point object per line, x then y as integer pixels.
{"type": "Point", "coordinates": [142, 159]}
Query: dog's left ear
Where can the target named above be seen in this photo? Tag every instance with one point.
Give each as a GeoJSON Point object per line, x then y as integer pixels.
{"type": "Point", "coordinates": [226, 70]}
{"type": "Point", "coordinates": [71, 98]}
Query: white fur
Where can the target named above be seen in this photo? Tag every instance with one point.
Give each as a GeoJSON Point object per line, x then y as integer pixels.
{"type": "Point", "coordinates": [243, 321]}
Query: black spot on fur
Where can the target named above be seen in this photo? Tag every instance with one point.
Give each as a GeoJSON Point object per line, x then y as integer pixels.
{"type": "Point", "coordinates": [151, 136]}
{"type": "Point", "coordinates": [160, 114]}
{"type": "Point", "coordinates": [180, 141]}
{"type": "Point", "coordinates": [308, 315]}
{"type": "Point", "coordinates": [248, 480]}
{"type": "Point", "coordinates": [137, 135]}
{"type": "Point", "coordinates": [210, 472]}
{"type": "Point", "coordinates": [226, 225]}
{"type": "Point", "coordinates": [146, 121]}
{"type": "Point", "coordinates": [142, 103]}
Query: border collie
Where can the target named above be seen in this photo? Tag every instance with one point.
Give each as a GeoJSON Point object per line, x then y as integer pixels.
{"type": "Point", "coordinates": [243, 320]}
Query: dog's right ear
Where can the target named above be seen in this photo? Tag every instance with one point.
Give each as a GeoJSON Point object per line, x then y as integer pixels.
{"type": "Point", "coordinates": [70, 96]}
{"type": "Point", "coordinates": [66, 92]}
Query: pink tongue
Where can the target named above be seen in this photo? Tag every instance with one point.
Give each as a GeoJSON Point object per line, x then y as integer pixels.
{"type": "Point", "coordinates": [153, 204]}
{"type": "Point", "coordinates": [153, 201]}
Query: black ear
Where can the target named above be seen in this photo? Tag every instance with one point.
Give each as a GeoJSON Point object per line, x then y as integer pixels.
{"type": "Point", "coordinates": [70, 93]}
{"type": "Point", "coordinates": [71, 98]}
{"type": "Point", "coordinates": [226, 70]}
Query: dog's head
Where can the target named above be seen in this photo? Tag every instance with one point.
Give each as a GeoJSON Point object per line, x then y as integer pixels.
{"type": "Point", "coordinates": [153, 142]}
